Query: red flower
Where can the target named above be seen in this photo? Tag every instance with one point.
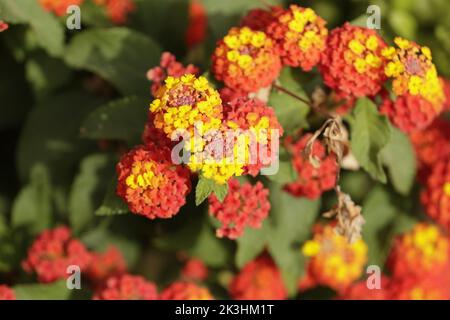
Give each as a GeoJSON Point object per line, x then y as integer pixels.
{"type": "Point", "coordinates": [184, 290]}
{"type": "Point", "coordinates": [168, 66]}
{"type": "Point", "coordinates": [311, 181]}
{"type": "Point", "coordinates": [259, 19]}
{"type": "Point", "coordinates": [244, 206]}
{"type": "Point", "coordinates": [59, 7]}
{"type": "Point", "coordinates": [3, 26]}
{"type": "Point", "coordinates": [436, 196]}
{"type": "Point", "coordinates": [431, 145]}
{"type": "Point", "coordinates": [6, 293]}
{"type": "Point", "coordinates": [117, 10]}
{"type": "Point", "coordinates": [361, 291]}
{"type": "Point", "coordinates": [352, 62]}
{"type": "Point", "coordinates": [105, 265]}
{"type": "Point", "coordinates": [52, 252]}
{"type": "Point", "coordinates": [260, 279]}
{"type": "Point", "coordinates": [195, 269]}
{"type": "Point", "coordinates": [150, 184]}
{"type": "Point", "coordinates": [127, 287]}
{"type": "Point", "coordinates": [299, 35]}
{"type": "Point", "coordinates": [419, 253]}
{"type": "Point", "coordinates": [246, 60]}
{"type": "Point", "coordinates": [259, 121]}
{"type": "Point", "coordinates": [198, 23]}
{"type": "Point", "coordinates": [409, 112]}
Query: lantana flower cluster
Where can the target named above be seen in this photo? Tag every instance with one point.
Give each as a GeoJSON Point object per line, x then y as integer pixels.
{"type": "Point", "coordinates": [244, 206]}
{"type": "Point", "coordinates": [259, 279]}
{"type": "Point", "coordinates": [333, 261]}
{"type": "Point", "coordinates": [419, 265]}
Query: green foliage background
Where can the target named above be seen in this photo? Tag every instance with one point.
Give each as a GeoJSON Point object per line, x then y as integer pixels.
{"type": "Point", "coordinates": [54, 172]}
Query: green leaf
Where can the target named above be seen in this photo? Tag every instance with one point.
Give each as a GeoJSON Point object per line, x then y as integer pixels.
{"type": "Point", "coordinates": [53, 291]}
{"type": "Point", "coordinates": [252, 243]}
{"type": "Point", "coordinates": [51, 134]}
{"type": "Point", "coordinates": [288, 225]}
{"type": "Point", "coordinates": [119, 55]}
{"type": "Point", "coordinates": [403, 23]}
{"type": "Point", "coordinates": [122, 119]}
{"type": "Point", "coordinates": [48, 31]}
{"type": "Point", "coordinates": [195, 236]}
{"type": "Point", "coordinates": [292, 219]}
{"type": "Point", "coordinates": [370, 132]}
{"type": "Point", "coordinates": [286, 173]}
{"type": "Point", "coordinates": [385, 217]}
{"type": "Point", "coordinates": [95, 169]}
{"type": "Point", "coordinates": [33, 206]}
{"type": "Point", "coordinates": [112, 204]}
{"type": "Point", "coordinates": [291, 112]}
{"type": "Point", "coordinates": [399, 157]}
{"type": "Point", "coordinates": [158, 19]}
{"type": "Point", "coordinates": [205, 187]}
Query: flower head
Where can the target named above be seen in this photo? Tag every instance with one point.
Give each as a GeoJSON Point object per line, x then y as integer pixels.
{"type": "Point", "coordinates": [150, 184]}
{"type": "Point", "coordinates": [52, 252]}
{"type": "Point", "coordinates": [422, 251]}
{"type": "Point", "coordinates": [333, 262]}
{"type": "Point", "coordinates": [352, 62]}
{"type": "Point", "coordinates": [254, 118]}
{"type": "Point", "coordinates": [168, 67]}
{"type": "Point", "coordinates": [6, 293]}
{"type": "Point", "coordinates": [312, 181]}
{"type": "Point", "coordinates": [436, 195]}
{"type": "Point", "coordinates": [185, 290]}
{"type": "Point", "coordinates": [127, 287]}
{"type": "Point", "coordinates": [409, 112]}
{"type": "Point", "coordinates": [195, 269]}
{"type": "Point", "coordinates": [431, 145]}
{"type": "Point", "coordinates": [3, 26]}
{"type": "Point", "coordinates": [244, 206]}
{"type": "Point", "coordinates": [246, 60]}
{"type": "Point", "coordinates": [106, 265]}
{"type": "Point", "coordinates": [260, 279]}
{"type": "Point", "coordinates": [183, 102]}
{"type": "Point", "coordinates": [413, 72]}
{"type": "Point", "coordinates": [299, 35]}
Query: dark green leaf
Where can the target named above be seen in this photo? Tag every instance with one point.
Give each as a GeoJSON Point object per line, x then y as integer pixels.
{"type": "Point", "coordinates": [119, 55]}
{"type": "Point", "coordinates": [95, 170]}
{"type": "Point", "coordinates": [48, 31]}
{"type": "Point", "coordinates": [122, 119]}
{"type": "Point", "coordinates": [112, 204]}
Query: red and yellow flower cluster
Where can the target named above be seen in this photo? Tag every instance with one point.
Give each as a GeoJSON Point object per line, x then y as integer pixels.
{"type": "Point", "coordinates": [419, 263]}
{"type": "Point", "coordinates": [333, 261]}
{"type": "Point", "coordinates": [420, 94]}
